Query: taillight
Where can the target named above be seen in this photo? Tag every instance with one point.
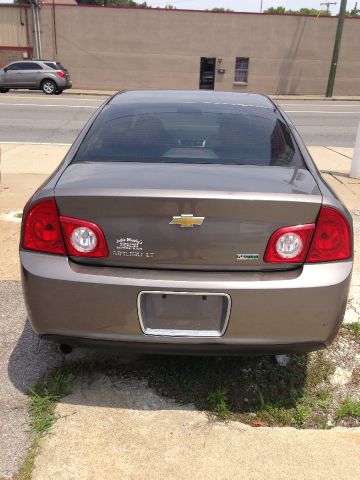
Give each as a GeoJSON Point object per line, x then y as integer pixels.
{"type": "Point", "coordinates": [44, 231]}
{"type": "Point", "coordinates": [289, 244]}
{"type": "Point", "coordinates": [41, 229]}
{"type": "Point", "coordinates": [83, 239]}
{"type": "Point", "coordinates": [60, 73]}
{"type": "Point", "coordinates": [327, 241]}
{"type": "Point", "coordinates": [332, 239]}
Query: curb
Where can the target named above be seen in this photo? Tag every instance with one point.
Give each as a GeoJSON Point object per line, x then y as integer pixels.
{"type": "Point", "coordinates": [107, 93]}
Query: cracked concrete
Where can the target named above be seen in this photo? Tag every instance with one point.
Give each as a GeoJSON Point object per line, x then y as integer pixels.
{"type": "Point", "coordinates": [146, 436]}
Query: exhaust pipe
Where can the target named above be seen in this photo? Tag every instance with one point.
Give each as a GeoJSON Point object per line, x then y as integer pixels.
{"type": "Point", "coordinates": [65, 349]}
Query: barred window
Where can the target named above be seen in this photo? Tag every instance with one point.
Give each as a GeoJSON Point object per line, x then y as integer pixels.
{"type": "Point", "coordinates": [241, 69]}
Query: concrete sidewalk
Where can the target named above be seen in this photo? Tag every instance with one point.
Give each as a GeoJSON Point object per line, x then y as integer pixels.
{"type": "Point", "coordinates": [100, 92]}
{"type": "Point", "coordinates": [77, 91]}
{"type": "Point", "coordinates": [120, 429]}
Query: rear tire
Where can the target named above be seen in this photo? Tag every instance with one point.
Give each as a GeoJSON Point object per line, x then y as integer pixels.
{"type": "Point", "coordinates": [4, 90]}
{"type": "Point", "coordinates": [49, 87]}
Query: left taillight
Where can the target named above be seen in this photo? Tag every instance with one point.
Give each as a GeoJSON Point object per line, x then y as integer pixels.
{"type": "Point", "coordinates": [47, 232]}
{"type": "Point", "coordinates": [60, 73]}
{"type": "Point", "coordinates": [41, 229]}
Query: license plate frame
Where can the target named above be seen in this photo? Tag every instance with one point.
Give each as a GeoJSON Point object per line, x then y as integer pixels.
{"type": "Point", "coordinates": [149, 300]}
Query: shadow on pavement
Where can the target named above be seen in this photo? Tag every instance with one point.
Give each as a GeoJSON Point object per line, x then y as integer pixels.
{"type": "Point", "coordinates": [31, 359]}
{"type": "Point", "coordinates": [248, 383]}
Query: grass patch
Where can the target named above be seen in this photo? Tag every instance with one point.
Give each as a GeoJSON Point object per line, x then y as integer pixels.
{"type": "Point", "coordinates": [43, 399]}
{"type": "Point", "coordinates": [27, 468]}
{"type": "Point", "coordinates": [323, 398]}
{"type": "Point", "coordinates": [218, 402]}
{"type": "Point", "coordinates": [254, 389]}
{"type": "Point", "coordinates": [302, 413]}
{"type": "Point", "coordinates": [275, 416]}
{"type": "Point", "coordinates": [319, 370]}
{"type": "Point", "coordinates": [42, 403]}
{"type": "Point", "coordinates": [348, 407]}
{"type": "Point", "coordinates": [354, 328]}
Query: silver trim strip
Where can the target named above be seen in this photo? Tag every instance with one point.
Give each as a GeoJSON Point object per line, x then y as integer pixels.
{"type": "Point", "coordinates": [183, 333]}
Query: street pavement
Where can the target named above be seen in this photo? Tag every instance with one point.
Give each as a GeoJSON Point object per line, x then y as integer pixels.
{"type": "Point", "coordinates": [133, 413]}
{"type": "Point", "coordinates": [58, 119]}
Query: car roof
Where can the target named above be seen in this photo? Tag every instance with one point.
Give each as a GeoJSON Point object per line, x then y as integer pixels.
{"type": "Point", "coordinates": [192, 96]}
{"type": "Point", "coordinates": [33, 61]}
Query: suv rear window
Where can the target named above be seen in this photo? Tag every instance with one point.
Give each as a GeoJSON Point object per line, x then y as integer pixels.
{"type": "Point", "coordinates": [187, 133]}
{"type": "Point", "coordinates": [55, 66]}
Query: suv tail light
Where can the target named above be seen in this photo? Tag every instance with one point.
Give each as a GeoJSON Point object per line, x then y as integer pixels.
{"type": "Point", "coordinates": [60, 73]}
{"type": "Point", "coordinates": [44, 231]}
{"type": "Point", "coordinates": [327, 241]}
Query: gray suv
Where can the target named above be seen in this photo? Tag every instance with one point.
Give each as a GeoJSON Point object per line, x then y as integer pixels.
{"type": "Point", "coordinates": [46, 75]}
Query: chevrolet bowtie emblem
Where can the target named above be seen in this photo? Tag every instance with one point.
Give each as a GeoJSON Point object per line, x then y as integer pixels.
{"type": "Point", "coordinates": [187, 221]}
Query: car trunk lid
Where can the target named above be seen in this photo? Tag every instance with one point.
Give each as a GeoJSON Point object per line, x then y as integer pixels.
{"type": "Point", "coordinates": [135, 205]}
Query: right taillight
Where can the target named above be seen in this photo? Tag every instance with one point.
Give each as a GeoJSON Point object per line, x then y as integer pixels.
{"type": "Point", "coordinates": [332, 238]}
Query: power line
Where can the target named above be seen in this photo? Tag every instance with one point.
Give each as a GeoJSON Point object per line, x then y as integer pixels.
{"type": "Point", "coordinates": [327, 6]}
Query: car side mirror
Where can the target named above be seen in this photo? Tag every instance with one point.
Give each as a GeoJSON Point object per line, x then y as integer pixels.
{"type": "Point", "coordinates": [5, 69]}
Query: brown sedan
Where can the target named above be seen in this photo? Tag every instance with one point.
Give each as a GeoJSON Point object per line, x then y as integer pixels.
{"type": "Point", "coordinates": [187, 221]}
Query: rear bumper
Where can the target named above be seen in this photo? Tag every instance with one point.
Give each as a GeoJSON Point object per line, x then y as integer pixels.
{"type": "Point", "coordinates": [209, 348]}
{"type": "Point", "coordinates": [67, 85]}
{"type": "Point", "coordinates": [63, 83]}
{"type": "Point", "coordinates": [297, 310]}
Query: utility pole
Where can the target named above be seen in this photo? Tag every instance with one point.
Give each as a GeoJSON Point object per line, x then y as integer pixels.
{"type": "Point", "coordinates": [327, 4]}
{"type": "Point", "coordinates": [261, 5]}
{"type": "Point", "coordinates": [335, 57]}
{"type": "Point", "coordinates": [35, 7]}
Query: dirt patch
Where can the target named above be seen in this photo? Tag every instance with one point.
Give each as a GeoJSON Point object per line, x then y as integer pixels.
{"type": "Point", "coordinates": [307, 393]}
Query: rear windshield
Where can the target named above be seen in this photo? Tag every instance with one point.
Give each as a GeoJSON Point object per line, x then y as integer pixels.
{"type": "Point", "coordinates": [201, 133]}
{"type": "Point", "coordinates": [55, 66]}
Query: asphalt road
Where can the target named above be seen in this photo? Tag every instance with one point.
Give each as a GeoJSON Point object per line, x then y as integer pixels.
{"type": "Point", "coordinates": [34, 117]}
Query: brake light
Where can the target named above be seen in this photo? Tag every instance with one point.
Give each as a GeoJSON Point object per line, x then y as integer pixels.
{"type": "Point", "coordinates": [60, 73]}
{"type": "Point", "coordinates": [41, 229]}
{"type": "Point", "coordinates": [289, 244]}
{"type": "Point", "coordinates": [83, 239]}
{"type": "Point", "coordinates": [332, 239]}
{"type": "Point", "coordinates": [44, 231]}
{"type": "Point", "coordinates": [327, 241]}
